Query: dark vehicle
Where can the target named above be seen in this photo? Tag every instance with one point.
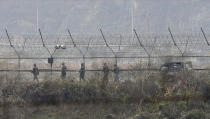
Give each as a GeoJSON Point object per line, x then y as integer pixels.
{"type": "Point", "coordinates": [176, 66]}
{"type": "Point", "coordinates": [172, 71]}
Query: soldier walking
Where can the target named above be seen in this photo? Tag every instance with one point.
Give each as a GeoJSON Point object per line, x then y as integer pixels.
{"type": "Point", "coordinates": [35, 72]}
{"type": "Point", "coordinates": [117, 73]}
{"type": "Point", "coordinates": [82, 72]}
{"type": "Point", "coordinates": [63, 71]}
{"type": "Point", "coordinates": [106, 74]}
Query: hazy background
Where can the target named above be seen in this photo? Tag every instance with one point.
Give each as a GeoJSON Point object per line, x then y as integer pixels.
{"type": "Point", "coordinates": [113, 16]}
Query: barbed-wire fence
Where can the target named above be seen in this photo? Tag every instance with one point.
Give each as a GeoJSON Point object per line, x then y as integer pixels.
{"type": "Point", "coordinates": [131, 52]}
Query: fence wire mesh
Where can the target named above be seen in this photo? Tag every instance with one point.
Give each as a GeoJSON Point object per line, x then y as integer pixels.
{"type": "Point", "coordinates": [131, 52]}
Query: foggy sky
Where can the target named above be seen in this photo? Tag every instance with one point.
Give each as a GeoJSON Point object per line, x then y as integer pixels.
{"type": "Point", "coordinates": [113, 16]}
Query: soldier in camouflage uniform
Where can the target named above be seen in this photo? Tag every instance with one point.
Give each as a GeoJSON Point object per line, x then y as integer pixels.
{"type": "Point", "coordinates": [35, 72]}
{"type": "Point", "coordinates": [117, 73]}
{"type": "Point", "coordinates": [106, 74]}
{"type": "Point", "coordinates": [82, 72]}
{"type": "Point", "coordinates": [63, 71]}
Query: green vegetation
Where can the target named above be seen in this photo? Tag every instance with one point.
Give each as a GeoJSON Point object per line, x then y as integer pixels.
{"type": "Point", "coordinates": [187, 97]}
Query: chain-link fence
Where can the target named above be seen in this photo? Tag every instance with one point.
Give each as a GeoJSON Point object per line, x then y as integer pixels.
{"type": "Point", "coordinates": [132, 53]}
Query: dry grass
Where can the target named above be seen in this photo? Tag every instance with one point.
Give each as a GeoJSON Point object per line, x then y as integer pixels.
{"type": "Point", "coordinates": [145, 96]}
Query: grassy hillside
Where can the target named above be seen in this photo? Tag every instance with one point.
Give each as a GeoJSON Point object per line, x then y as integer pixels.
{"type": "Point", "coordinates": [187, 97]}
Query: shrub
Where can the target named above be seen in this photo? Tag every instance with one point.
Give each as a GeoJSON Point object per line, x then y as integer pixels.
{"type": "Point", "coordinates": [196, 114]}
